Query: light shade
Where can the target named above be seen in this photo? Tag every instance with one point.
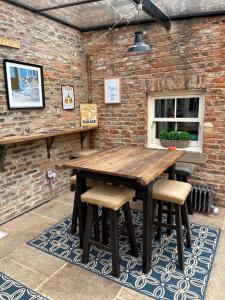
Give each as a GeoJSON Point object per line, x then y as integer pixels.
{"type": "Point", "coordinates": [139, 46]}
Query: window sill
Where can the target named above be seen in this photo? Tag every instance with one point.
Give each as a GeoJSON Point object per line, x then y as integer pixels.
{"type": "Point", "coordinates": [193, 155]}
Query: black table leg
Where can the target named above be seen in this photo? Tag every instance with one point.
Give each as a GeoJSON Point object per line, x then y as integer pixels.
{"type": "Point", "coordinates": [82, 207]}
{"type": "Point", "coordinates": [147, 228]}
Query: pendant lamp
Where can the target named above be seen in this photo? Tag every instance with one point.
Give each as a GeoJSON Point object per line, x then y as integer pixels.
{"type": "Point", "coordinates": [139, 45]}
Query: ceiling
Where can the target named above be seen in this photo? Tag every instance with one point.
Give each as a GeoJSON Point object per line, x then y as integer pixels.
{"type": "Point", "coordinates": [87, 15]}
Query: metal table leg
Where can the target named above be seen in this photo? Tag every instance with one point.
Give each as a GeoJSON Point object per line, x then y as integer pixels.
{"type": "Point", "coordinates": [147, 228]}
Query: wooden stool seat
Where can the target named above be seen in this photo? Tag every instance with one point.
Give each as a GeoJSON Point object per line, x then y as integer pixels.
{"type": "Point", "coordinates": [174, 194]}
{"type": "Point", "coordinates": [90, 182]}
{"type": "Point", "coordinates": [171, 191]}
{"type": "Point", "coordinates": [185, 169]}
{"type": "Point", "coordinates": [108, 196]}
{"type": "Point", "coordinates": [111, 198]}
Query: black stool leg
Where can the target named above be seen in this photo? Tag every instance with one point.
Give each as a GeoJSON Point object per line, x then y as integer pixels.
{"type": "Point", "coordinates": [169, 217]}
{"type": "Point", "coordinates": [114, 243]}
{"type": "Point", "coordinates": [105, 232]}
{"type": "Point", "coordinates": [130, 229]}
{"type": "Point", "coordinates": [186, 224]}
{"type": "Point", "coordinates": [189, 206]}
{"type": "Point", "coordinates": [87, 233]}
{"type": "Point", "coordinates": [96, 226]}
{"type": "Point", "coordinates": [159, 218]}
{"type": "Point", "coordinates": [179, 236]}
{"type": "Point", "coordinates": [75, 214]}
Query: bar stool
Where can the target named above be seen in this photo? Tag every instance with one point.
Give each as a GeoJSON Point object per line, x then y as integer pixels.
{"type": "Point", "coordinates": [183, 172]}
{"type": "Point", "coordinates": [175, 192]}
{"type": "Point", "coordinates": [111, 198]}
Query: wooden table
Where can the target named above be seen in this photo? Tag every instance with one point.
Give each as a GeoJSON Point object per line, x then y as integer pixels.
{"type": "Point", "coordinates": [133, 167]}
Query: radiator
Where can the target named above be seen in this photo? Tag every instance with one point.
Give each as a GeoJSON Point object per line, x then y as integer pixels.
{"type": "Point", "coordinates": [202, 198]}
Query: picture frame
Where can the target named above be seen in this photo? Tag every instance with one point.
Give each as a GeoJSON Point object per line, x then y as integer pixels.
{"type": "Point", "coordinates": [112, 90]}
{"type": "Point", "coordinates": [24, 85]}
{"type": "Point", "coordinates": [88, 115]}
{"type": "Point", "coordinates": [68, 97]}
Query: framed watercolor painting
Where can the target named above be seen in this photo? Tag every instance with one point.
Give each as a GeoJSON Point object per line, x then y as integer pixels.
{"type": "Point", "coordinates": [112, 90]}
{"type": "Point", "coordinates": [24, 85]}
{"type": "Point", "coordinates": [68, 98]}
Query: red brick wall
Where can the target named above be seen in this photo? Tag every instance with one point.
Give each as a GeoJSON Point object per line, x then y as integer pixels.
{"type": "Point", "coordinates": [165, 68]}
{"type": "Point", "coordinates": [53, 46]}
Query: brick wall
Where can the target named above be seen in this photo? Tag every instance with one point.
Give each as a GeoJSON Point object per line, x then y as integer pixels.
{"type": "Point", "coordinates": [165, 68]}
{"type": "Point", "coordinates": [53, 46]}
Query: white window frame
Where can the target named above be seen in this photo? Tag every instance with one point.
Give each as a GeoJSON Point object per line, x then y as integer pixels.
{"type": "Point", "coordinates": [153, 142]}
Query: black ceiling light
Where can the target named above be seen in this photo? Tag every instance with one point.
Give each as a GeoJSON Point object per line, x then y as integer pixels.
{"type": "Point", "coordinates": [139, 45]}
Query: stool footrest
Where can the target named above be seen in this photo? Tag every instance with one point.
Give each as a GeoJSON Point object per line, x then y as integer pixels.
{"type": "Point", "coordinates": [101, 246]}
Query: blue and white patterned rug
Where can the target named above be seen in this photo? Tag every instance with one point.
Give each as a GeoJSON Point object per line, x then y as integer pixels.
{"type": "Point", "coordinates": [13, 290]}
{"type": "Point", "coordinates": [165, 281]}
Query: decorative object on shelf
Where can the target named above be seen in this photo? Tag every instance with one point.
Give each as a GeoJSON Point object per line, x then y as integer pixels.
{"type": "Point", "coordinates": [88, 115]}
{"type": "Point", "coordinates": [178, 139]}
{"type": "Point", "coordinates": [112, 88]}
{"type": "Point", "coordinates": [24, 85]}
{"type": "Point", "coordinates": [68, 98]}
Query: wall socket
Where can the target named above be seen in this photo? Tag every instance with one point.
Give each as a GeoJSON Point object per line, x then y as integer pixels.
{"type": "Point", "coordinates": [50, 174]}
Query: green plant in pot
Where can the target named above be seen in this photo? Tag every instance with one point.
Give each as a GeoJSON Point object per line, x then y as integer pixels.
{"type": "Point", "coordinates": [178, 139]}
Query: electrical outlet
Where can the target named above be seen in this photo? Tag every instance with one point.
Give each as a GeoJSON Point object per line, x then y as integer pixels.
{"type": "Point", "coordinates": [50, 174]}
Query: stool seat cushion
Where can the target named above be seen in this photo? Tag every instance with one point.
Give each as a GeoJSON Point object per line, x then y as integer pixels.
{"type": "Point", "coordinates": [90, 182]}
{"type": "Point", "coordinates": [108, 196]}
{"type": "Point", "coordinates": [185, 169]}
{"type": "Point", "coordinates": [171, 191]}
{"type": "Point", "coordinates": [84, 152]}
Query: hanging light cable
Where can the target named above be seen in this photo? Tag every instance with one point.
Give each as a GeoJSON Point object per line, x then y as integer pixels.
{"type": "Point", "coordinates": [139, 45]}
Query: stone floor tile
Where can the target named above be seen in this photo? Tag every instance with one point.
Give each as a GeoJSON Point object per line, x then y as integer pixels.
{"type": "Point", "coordinates": [66, 198]}
{"type": "Point", "coordinates": [128, 294]}
{"type": "Point", "coordinates": [55, 210]}
{"type": "Point", "coordinates": [74, 283]}
{"type": "Point", "coordinates": [209, 220]}
{"type": "Point", "coordinates": [36, 260]}
{"type": "Point", "coordinates": [22, 229]}
{"type": "Point", "coordinates": [24, 275]}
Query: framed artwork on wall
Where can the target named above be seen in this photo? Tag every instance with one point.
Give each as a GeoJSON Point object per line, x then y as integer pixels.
{"type": "Point", "coordinates": [24, 85]}
{"type": "Point", "coordinates": [112, 87]}
{"type": "Point", "coordinates": [88, 115]}
{"type": "Point", "coordinates": [68, 98]}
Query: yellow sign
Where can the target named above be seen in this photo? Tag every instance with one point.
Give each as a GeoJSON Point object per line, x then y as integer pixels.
{"type": "Point", "coordinates": [9, 43]}
{"type": "Point", "coordinates": [88, 115]}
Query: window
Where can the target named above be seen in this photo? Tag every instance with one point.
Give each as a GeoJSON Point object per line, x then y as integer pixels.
{"type": "Point", "coordinates": [180, 112]}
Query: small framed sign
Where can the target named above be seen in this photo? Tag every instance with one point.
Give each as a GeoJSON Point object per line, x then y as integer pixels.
{"type": "Point", "coordinates": [112, 90]}
{"type": "Point", "coordinates": [68, 98]}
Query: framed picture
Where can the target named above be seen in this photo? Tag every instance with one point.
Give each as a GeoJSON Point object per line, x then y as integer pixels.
{"type": "Point", "coordinates": [24, 85]}
{"type": "Point", "coordinates": [88, 115]}
{"type": "Point", "coordinates": [68, 99]}
{"type": "Point", "coordinates": [112, 90]}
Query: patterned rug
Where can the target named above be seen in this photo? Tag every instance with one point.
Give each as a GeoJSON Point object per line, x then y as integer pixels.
{"type": "Point", "coordinates": [13, 290]}
{"type": "Point", "coordinates": [165, 281]}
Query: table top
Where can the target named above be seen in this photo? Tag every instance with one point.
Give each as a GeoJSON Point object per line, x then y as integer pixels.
{"type": "Point", "coordinates": [42, 135]}
{"type": "Point", "coordinates": [142, 164]}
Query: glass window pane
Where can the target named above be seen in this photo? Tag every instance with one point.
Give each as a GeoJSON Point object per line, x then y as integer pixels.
{"type": "Point", "coordinates": [192, 128]}
{"type": "Point", "coordinates": [187, 107]}
{"type": "Point", "coordinates": [164, 108]}
{"type": "Point", "coordinates": [170, 126]}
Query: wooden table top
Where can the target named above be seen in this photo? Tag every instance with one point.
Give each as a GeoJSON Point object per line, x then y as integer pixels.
{"type": "Point", "coordinates": [42, 135]}
{"type": "Point", "coordinates": [142, 164]}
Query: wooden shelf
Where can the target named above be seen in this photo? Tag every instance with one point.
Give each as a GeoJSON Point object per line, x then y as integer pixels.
{"type": "Point", "coordinates": [47, 135]}
{"type": "Point", "coordinates": [43, 135]}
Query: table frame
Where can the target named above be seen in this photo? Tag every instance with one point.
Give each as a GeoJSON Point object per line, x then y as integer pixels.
{"type": "Point", "coordinates": [146, 192]}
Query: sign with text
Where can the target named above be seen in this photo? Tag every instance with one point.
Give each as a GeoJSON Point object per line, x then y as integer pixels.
{"type": "Point", "coordinates": [88, 115]}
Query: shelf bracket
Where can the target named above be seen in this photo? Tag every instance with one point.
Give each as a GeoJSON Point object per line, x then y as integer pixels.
{"type": "Point", "coordinates": [49, 141]}
{"type": "Point", "coordinates": [83, 135]}
{"type": "Point", "coordinates": [3, 150]}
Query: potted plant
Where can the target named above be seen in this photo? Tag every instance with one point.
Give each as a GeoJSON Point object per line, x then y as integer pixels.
{"type": "Point", "coordinates": [178, 139]}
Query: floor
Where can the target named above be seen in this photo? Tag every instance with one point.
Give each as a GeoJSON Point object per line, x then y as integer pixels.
{"type": "Point", "coordinates": [59, 280]}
